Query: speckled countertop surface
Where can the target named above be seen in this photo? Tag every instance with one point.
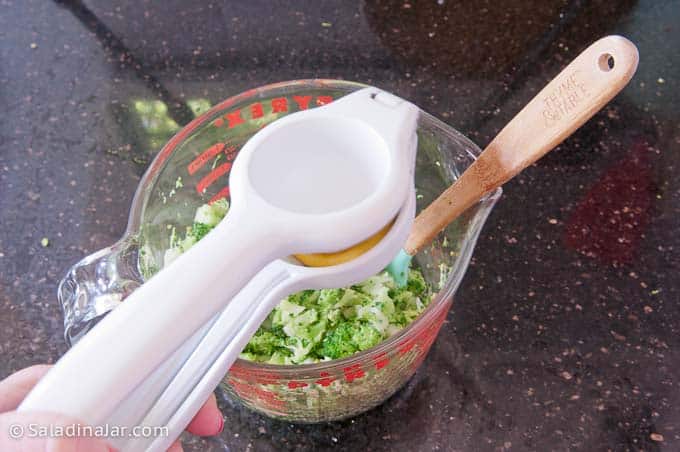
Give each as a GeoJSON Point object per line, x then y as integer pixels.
{"type": "Point", "coordinates": [553, 343]}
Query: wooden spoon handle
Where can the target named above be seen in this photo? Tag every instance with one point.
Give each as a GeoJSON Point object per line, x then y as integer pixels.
{"type": "Point", "coordinates": [569, 100]}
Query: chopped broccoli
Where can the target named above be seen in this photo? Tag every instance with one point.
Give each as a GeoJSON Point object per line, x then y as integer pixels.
{"type": "Point", "coordinates": [265, 343]}
{"type": "Point", "coordinates": [416, 283]}
{"type": "Point", "coordinates": [348, 338]}
{"type": "Point", "coordinates": [317, 325]}
{"type": "Point", "coordinates": [206, 218]}
{"type": "Point", "coordinates": [211, 214]}
{"type": "Point", "coordinates": [199, 230]}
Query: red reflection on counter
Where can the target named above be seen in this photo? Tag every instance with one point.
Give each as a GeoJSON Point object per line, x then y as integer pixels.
{"type": "Point", "coordinates": [609, 223]}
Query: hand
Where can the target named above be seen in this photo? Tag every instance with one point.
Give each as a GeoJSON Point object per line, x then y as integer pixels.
{"type": "Point", "coordinates": [208, 421]}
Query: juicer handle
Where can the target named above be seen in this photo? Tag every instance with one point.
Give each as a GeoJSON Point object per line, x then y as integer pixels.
{"type": "Point", "coordinates": [215, 354]}
{"type": "Point", "coordinates": [131, 411]}
{"type": "Point", "coordinates": [120, 352]}
{"type": "Point", "coordinates": [569, 100]}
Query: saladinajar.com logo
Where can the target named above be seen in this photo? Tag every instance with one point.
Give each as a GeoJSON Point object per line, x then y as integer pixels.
{"type": "Point", "coordinates": [18, 431]}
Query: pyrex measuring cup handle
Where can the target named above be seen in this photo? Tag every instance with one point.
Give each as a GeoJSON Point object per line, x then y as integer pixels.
{"type": "Point", "coordinates": [124, 348]}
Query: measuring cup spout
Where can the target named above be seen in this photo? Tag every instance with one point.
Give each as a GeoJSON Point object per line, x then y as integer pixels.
{"type": "Point", "coordinates": [97, 284]}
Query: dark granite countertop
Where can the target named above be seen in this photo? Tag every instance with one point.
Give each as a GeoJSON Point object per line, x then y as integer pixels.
{"type": "Point", "coordinates": [554, 342]}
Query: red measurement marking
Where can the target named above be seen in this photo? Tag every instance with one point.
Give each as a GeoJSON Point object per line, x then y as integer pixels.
{"type": "Point", "coordinates": [261, 377]}
{"type": "Point", "coordinates": [424, 338]}
{"type": "Point", "coordinates": [297, 384]}
{"type": "Point", "coordinates": [302, 101]}
{"type": "Point", "coordinates": [266, 395]}
{"type": "Point", "coordinates": [380, 361]}
{"type": "Point", "coordinates": [206, 155]}
{"type": "Point", "coordinates": [266, 378]}
{"type": "Point", "coordinates": [256, 111]}
{"type": "Point", "coordinates": [353, 372]}
{"type": "Point", "coordinates": [326, 380]}
{"type": "Point", "coordinates": [212, 177]}
{"type": "Point", "coordinates": [220, 194]}
{"type": "Point", "coordinates": [247, 390]}
{"type": "Point", "coordinates": [279, 105]}
{"type": "Point", "coordinates": [231, 152]}
{"type": "Point", "coordinates": [234, 118]}
{"type": "Point", "coordinates": [406, 347]}
{"type": "Point", "coordinates": [190, 128]}
{"type": "Point", "coordinates": [237, 385]}
{"type": "Point", "coordinates": [239, 372]}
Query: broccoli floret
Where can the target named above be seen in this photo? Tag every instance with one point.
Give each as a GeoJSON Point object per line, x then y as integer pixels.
{"type": "Point", "coordinates": [377, 286]}
{"type": "Point", "coordinates": [199, 230]}
{"type": "Point", "coordinates": [348, 338]}
{"type": "Point", "coordinates": [266, 343]}
{"type": "Point", "coordinates": [329, 298]}
{"type": "Point", "coordinates": [353, 298]}
{"type": "Point", "coordinates": [374, 316]}
{"type": "Point", "coordinates": [276, 358]}
{"type": "Point", "coordinates": [211, 214]}
{"type": "Point", "coordinates": [299, 326]}
{"type": "Point", "coordinates": [285, 312]}
{"type": "Point", "coordinates": [299, 348]}
{"type": "Point", "coordinates": [205, 220]}
{"type": "Point", "coordinates": [416, 283]}
{"type": "Point", "coordinates": [306, 298]}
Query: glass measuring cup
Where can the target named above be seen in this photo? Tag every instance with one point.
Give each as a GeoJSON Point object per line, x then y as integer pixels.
{"type": "Point", "coordinates": [193, 169]}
